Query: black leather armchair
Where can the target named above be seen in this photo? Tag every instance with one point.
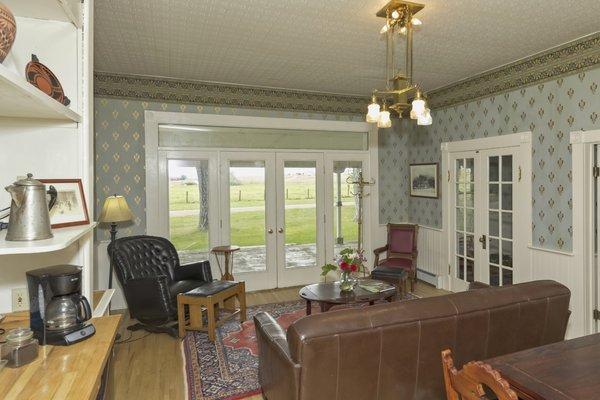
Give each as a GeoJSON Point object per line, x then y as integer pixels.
{"type": "Point", "coordinates": [151, 277]}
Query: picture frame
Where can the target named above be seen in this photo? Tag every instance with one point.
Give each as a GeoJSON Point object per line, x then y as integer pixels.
{"type": "Point", "coordinates": [424, 180]}
{"type": "Point", "coordinates": [70, 208]}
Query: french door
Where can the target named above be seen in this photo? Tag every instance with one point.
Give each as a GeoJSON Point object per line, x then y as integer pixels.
{"type": "Point", "coordinates": [484, 216]}
{"type": "Point", "coordinates": [288, 212]}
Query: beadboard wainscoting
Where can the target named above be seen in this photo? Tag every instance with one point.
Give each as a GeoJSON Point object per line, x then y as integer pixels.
{"type": "Point", "coordinates": [562, 267]}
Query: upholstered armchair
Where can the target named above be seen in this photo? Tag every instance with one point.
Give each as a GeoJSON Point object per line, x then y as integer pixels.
{"type": "Point", "coordinates": [149, 272]}
{"type": "Point", "coordinates": [401, 254]}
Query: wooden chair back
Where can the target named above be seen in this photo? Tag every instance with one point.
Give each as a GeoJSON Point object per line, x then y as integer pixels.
{"type": "Point", "coordinates": [402, 240]}
{"type": "Point", "coordinates": [468, 383]}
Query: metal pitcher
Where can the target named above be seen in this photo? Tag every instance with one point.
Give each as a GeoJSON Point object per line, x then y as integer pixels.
{"type": "Point", "coordinates": [29, 210]}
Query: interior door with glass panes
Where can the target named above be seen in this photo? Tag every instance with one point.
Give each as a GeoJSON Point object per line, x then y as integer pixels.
{"type": "Point", "coordinates": [500, 174]}
{"type": "Point", "coordinates": [465, 255]}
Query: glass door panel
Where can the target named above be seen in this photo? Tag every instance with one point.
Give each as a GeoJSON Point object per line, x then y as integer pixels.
{"type": "Point", "coordinates": [464, 178]}
{"type": "Point", "coordinates": [247, 214]}
{"type": "Point", "coordinates": [189, 208]}
{"type": "Point", "coordinates": [345, 204]}
{"type": "Point", "coordinates": [300, 213]}
{"type": "Point", "coordinates": [500, 219]}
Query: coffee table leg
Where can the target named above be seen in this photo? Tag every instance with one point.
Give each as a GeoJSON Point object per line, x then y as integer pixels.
{"type": "Point", "coordinates": [325, 306]}
{"type": "Point", "coordinates": [308, 307]}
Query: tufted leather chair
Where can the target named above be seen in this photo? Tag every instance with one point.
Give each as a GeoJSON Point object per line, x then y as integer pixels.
{"type": "Point", "coordinates": [151, 277]}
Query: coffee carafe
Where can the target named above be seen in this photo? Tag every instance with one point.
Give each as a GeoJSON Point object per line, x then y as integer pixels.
{"type": "Point", "coordinates": [29, 210]}
{"type": "Point", "coordinates": [58, 311]}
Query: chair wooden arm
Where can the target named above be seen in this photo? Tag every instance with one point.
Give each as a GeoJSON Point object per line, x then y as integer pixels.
{"type": "Point", "coordinates": [377, 252]}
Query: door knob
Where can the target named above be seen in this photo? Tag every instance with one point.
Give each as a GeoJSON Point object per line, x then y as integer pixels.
{"type": "Point", "coordinates": [483, 241]}
{"type": "Point", "coordinates": [280, 230]}
{"type": "Point", "coordinates": [270, 230]}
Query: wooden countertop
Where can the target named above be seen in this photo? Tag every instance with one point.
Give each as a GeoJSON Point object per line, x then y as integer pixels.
{"type": "Point", "coordinates": [60, 372]}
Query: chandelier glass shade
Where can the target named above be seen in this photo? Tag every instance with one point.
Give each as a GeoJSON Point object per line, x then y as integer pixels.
{"type": "Point", "coordinates": [399, 28]}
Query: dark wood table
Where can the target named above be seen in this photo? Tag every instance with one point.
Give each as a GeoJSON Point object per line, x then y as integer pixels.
{"type": "Point", "coordinates": [329, 295]}
{"type": "Point", "coordinates": [566, 370]}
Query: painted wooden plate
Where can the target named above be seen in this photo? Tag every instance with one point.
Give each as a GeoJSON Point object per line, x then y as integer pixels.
{"type": "Point", "coordinates": [42, 78]}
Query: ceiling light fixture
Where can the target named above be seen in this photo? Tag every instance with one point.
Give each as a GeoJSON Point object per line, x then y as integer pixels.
{"type": "Point", "coordinates": [400, 20]}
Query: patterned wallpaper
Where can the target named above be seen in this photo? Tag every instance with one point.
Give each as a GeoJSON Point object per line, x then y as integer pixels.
{"type": "Point", "coordinates": [119, 147]}
{"type": "Point", "coordinates": [550, 110]}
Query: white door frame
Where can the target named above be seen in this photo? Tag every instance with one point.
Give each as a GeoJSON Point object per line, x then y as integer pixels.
{"type": "Point", "coordinates": [582, 143]}
{"type": "Point", "coordinates": [155, 118]}
{"type": "Point", "coordinates": [522, 230]}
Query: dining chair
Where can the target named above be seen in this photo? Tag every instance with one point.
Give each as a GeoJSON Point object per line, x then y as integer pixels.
{"type": "Point", "coordinates": [470, 382]}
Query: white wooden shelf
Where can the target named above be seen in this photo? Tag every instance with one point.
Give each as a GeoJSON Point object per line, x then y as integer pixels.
{"type": "Point", "coordinates": [63, 238]}
{"type": "Point", "coordinates": [54, 10]}
{"type": "Point", "coordinates": [20, 99]}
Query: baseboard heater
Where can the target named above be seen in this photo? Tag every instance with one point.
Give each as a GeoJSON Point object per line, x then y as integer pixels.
{"type": "Point", "coordinates": [427, 276]}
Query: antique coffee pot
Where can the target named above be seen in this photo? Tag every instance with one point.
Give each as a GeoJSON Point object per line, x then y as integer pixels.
{"type": "Point", "coordinates": [29, 210]}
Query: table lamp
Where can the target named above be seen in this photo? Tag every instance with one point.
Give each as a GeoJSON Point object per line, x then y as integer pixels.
{"type": "Point", "coordinates": [115, 210]}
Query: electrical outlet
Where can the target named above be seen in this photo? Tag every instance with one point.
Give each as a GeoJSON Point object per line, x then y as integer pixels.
{"type": "Point", "coordinates": [20, 299]}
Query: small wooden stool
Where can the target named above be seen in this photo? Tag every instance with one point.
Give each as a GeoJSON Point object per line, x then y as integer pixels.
{"type": "Point", "coordinates": [210, 297]}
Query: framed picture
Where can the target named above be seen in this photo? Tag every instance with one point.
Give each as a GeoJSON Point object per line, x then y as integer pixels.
{"type": "Point", "coordinates": [70, 208]}
{"type": "Point", "coordinates": [424, 180]}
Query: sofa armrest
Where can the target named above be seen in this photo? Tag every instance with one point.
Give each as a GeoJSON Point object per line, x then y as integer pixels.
{"type": "Point", "coordinates": [199, 271]}
{"type": "Point", "coordinates": [148, 299]}
{"type": "Point", "coordinates": [278, 374]}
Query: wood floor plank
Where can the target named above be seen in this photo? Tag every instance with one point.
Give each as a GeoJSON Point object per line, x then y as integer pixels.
{"type": "Point", "coordinates": [150, 366]}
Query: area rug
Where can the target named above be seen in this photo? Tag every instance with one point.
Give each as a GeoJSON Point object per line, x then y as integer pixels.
{"type": "Point", "coordinates": [228, 368]}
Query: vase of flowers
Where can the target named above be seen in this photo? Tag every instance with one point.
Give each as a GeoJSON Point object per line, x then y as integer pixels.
{"type": "Point", "coordinates": [349, 262]}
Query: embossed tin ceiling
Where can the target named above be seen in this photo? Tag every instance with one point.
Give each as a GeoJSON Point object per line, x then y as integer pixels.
{"type": "Point", "coordinates": [324, 45]}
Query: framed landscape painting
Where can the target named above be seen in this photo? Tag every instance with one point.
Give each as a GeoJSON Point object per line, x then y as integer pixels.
{"type": "Point", "coordinates": [70, 208]}
{"type": "Point", "coordinates": [424, 180]}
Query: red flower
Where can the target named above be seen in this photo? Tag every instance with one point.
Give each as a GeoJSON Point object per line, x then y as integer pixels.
{"type": "Point", "coordinates": [344, 266]}
{"type": "Point", "coordinates": [354, 267]}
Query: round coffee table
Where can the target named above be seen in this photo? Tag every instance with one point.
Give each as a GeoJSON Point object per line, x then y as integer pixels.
{"type": "Point", "coordinates": [329, 295]}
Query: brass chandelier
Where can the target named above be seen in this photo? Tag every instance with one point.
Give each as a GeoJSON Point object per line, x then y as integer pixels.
{"type": "Point", "coordinates": [399, 24]}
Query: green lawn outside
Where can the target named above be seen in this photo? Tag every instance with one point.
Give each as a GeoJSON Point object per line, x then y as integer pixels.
{"type": "Point", "coordinates": [247, 229]}
{"type": "Point", "coordinates": [251, 194]}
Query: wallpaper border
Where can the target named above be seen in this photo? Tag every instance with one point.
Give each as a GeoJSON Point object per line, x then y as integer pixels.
{"type": "Point", "coordinates": [219, 94]}
{"type": "Point", "coordinates": [569, 58]}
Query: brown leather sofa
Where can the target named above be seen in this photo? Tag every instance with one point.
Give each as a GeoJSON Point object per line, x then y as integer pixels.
{"type": "Point", "coordinates": [392, 351]}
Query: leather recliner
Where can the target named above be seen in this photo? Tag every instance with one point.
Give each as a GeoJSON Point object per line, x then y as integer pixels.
{"type": "Point", "coordinates": [392, 351]}
{"type": "Point", "coordinates": [149, 272]}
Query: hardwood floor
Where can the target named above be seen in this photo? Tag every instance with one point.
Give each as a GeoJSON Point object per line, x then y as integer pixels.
{"type": "Point", "coordinates": [150, 366]}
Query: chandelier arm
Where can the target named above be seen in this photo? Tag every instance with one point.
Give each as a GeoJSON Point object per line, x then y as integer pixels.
{"type": "Point", "coordinates": [393, 92]}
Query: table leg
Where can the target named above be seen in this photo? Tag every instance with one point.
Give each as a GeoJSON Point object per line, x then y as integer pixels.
{"type": "Point", "coordinates": [181, 316]}
{"type": "Point", "coordinates": [325, 306]}
{"type": "Point", "coordinates": [210, 308]}
{"type": "Point", "coordinates": [308, 307]}
{"type": "Point", "coordinates": [241, 296]}
{"type": "Point", "coordinates": [227, 276]}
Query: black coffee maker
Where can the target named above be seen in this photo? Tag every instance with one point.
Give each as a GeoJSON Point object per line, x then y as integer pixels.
{"type": "Point", "coordinates": [58, 311]}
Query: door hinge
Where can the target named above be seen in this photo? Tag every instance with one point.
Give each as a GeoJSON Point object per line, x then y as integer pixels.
{"type": "Point", "coordinates": [596, 171]}
{"type": "Point", "coordinates": [596, 314]}
{"type": "Point", "coordinates": [449, 269]}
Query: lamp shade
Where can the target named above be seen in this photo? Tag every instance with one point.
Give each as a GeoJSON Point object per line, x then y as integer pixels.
{"type": "Point", "coordinates": [384, 119]}
{"type": "Point", "coordinates": [373, 113]}
{"type": "Point", "coordinates": [115, 209]}
{"type": "Point", "coordinates": [425, 118]}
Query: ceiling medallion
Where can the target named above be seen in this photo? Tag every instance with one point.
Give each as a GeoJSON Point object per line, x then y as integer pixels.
{"type": "Point", "coordinates": [399, 25]}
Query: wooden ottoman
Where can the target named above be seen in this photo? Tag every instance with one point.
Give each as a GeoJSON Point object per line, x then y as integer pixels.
{"type": "Point", "coordinates": [210, 297]}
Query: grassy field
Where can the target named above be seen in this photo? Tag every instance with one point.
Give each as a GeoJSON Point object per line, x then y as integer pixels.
{"type": "Point", "coordinates": [248, 227]}
{"type": "Point", "coordinates": [184, 196]}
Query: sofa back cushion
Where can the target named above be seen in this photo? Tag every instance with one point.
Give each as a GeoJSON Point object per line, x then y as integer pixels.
{"type": "Point", "coordinates": [394, 349]}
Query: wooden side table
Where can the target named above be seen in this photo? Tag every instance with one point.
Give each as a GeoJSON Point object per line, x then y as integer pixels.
{"type": "Point", "coordinates": [227, 253]}
{"type": "Point", "coordinates": [209, 297]}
